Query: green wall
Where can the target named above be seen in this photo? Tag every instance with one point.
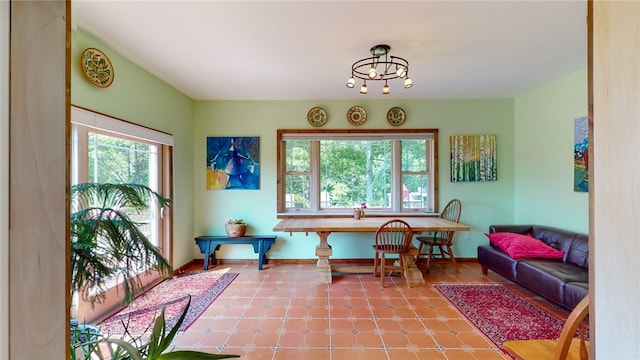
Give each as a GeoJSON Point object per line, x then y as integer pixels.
{"type": "Point", "coordinates": [534, 137]}
{"type": "Point", "coordinates": [141, 98]}
{"type": "Point", "coordinates": [544, 154]}
{"type": "Point", "coordinates": [483, 203]}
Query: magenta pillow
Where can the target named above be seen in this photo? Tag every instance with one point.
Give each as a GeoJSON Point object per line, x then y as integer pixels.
{"type": "Point", "coordinates": [523, 246]}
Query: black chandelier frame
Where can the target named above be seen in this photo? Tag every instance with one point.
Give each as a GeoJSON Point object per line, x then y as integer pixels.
{"type": "Point", "coordinates": [387, 67]}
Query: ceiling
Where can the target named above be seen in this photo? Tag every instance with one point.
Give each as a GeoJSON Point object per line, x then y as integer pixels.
{"type": "Point", "coordinates": [303, 50]}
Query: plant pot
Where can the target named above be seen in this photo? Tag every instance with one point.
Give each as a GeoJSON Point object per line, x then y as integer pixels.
{"type": "Point", "coordinates": [235, 230]}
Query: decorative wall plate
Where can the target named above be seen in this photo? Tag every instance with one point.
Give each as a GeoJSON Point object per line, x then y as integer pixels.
{"type": "Point", "coordinates": [96, 67]}
{"type": "Point", "coordinates": [356, 115]}
{"type": "Point", "coordinates": [317, 116]}
{"type": "Point", "coordinates": [396, 116]}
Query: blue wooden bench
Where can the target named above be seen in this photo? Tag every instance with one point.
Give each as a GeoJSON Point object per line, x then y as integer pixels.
{"type": "Point", "coordinates": [209, 244]}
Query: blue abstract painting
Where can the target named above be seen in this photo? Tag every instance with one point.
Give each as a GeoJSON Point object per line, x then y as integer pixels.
{"type": "Point", "coordinates": [233, 163]}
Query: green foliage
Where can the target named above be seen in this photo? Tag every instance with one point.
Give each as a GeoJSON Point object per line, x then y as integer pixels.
{"type": "Point", "coordinates": [235, 221]}
{"type": "Point", "coordinates": [354, 171]}
{"type": "Point", "coordinates": [106, 242]}
{"type": "Point", "coordinates": [154, 347]}
{"type": "Point", "coordinates": [118, 160]}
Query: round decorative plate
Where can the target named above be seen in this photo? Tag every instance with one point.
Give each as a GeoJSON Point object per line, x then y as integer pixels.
{"type": "Point", "coordinates": [396, 116]}
{"type": "Point", "coordinates": [356, 115]}
{"type": "Point", "coordinates": [317, 116]}
{"type": "Point", "coordinates": [96, 67]}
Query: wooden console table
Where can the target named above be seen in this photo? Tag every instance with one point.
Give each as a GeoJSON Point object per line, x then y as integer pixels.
{"type": "Point", "coordinates": [325, 226]}
{"type": "Point", "coordinates": [209, 244]}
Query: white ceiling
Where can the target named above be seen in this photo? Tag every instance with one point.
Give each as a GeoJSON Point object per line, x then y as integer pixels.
{"type": "Point", "coordinates": [303, 50]}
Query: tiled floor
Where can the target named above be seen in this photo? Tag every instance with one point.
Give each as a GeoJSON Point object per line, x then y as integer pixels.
{"type": "Point", "coordinates": [281, 313]}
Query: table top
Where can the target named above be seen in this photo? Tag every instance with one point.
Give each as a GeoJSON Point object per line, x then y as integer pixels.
{"type": "Point", "coordinates": [367, 224]}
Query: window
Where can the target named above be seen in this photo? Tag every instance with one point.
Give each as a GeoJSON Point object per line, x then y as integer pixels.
{"type": "Point", "coordinates": [107, 150]}
{"type": "Point", "coordinates": [324, 171]}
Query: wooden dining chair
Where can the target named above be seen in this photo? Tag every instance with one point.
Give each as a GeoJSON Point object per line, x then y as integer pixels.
{"type": "Point", "coordinates": [441, 240]}
{"type": "Point", "coordinates": [392, 237]}
{"type": "Point", "coordinates": [566, 347]}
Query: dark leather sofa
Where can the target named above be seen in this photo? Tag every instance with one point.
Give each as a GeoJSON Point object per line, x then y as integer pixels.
{"type": "Point", "coordinates": [563, 281]}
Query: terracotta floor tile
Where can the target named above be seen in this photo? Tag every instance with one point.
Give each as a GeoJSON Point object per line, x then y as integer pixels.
{"type": "Point", "coordinates": [240, 338]}
{"type": "Point", "coordinates": [421, 339]}
{"type": "Point", "coordinates": [360, 354]}
{"type": "Point", "coordinates": [448, 340]}
{"type": "Point", "coordinates": [318, 339]}
{"type": "Point", "coordinates": [369, 339]}
{"type": "Point", "coordinates": [250, 353]}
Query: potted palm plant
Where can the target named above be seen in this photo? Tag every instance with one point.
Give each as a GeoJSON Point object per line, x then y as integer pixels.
{"type": "Point", "coordinates": [107, 243]}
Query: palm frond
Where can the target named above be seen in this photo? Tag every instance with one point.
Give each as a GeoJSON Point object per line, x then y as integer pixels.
{"type": "Point", "coordinates": [107, 243]}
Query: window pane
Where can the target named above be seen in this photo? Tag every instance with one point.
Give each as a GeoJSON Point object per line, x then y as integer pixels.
{"type": "Point", "coordinates": [353, 172]}
{"type": "Point", "coordinates": [415, 191]}
{"type": "Point", "coordinates": [119, 161]}
{"type": "Point", "coordinates": [414, 155]}
{"type": "Point", "coordinates": [298, 156]}
{"type": "Point", "coordinates": [116, 160]}
{"type": "Point", "coordinates": [297, 191]}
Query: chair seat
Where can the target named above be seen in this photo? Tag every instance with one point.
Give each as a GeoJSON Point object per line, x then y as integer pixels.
{"type": "Point", "coordinates": [431, 240]}
{"type": "Point", "coordinates": [542, 349]}
{"type": "Point", "coordinates": [398, 249]}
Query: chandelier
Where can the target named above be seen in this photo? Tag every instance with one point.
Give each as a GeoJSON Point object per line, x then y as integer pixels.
{"type": "Point", "coordinates": [380, 67]}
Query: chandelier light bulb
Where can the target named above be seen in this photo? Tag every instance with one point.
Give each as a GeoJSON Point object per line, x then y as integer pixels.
{"type": "Point", "coordinates": [373, 73]}
{"type": "Point", "coordinates": [363, 89]}
{"type": "Point", "coordinates": [408, 83]}
{"type": "Point", "coordinates": [402, 71]}
{"type": "Point", "coordinates": [351, 82]}
{"type": "Point", "coordinates": [385, 89]}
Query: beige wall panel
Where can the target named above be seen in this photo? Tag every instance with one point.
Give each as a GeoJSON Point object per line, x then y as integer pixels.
{"type": "Point", "coordinates": [38, 211]}
{"type": "Point", "coordinates": [616, 182]}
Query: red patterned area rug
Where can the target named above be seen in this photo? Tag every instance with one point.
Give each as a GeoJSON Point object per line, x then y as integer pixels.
{"type": "Point", "coordinates": [500, 314]}
{"type": "Point", "coordinates": [173, 295]}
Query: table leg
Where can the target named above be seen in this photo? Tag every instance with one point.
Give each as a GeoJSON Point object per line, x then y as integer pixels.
{"type": "Point", "coordinates": [414, 274]}
{"type": "Point", "coordinates": [323, 251]}
{"type": "Point", "coordinates": [205, 266]}
{"type": "Point", "coordinates": [260, 254]}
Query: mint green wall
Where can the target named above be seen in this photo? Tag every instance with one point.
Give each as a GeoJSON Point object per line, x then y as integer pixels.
{"type": "Point", "coordinates": [544, 152]}
{"type": "Point", "coordinates": [141, 98]}
{"type": "Point", "coordinates": [483, 203]}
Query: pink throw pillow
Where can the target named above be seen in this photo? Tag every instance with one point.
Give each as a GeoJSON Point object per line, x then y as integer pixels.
{"type": "Point", "coordinates": [520, 246]}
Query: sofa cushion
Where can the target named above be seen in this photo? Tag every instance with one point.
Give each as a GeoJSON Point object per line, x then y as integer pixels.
{"type": "Point", "coordinates": [520, 246]}
{"type": "Point", "coordinates": [578, 252]}
{"type": "Point", "coordinates": [557, 238]}
{"type": "Point", "coordinates": [574, 292]}
{"type": "Point", "coordinates": [541, 277]}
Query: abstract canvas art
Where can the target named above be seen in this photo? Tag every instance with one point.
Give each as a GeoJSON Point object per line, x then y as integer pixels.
{"type": "Point", "coordinates": [473, 158]}
{"type": "Point", "coordinates": [233, 163]}
{"type": "Point", "coordinates": [581, 154]}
